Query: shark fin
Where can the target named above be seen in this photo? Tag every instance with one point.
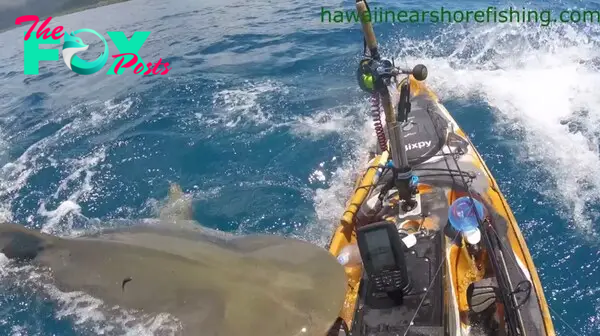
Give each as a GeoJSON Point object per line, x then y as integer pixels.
{"type": "Point", "coordinates": [178, 205]}
{"type": "Point", "coordinates": [175, 191]}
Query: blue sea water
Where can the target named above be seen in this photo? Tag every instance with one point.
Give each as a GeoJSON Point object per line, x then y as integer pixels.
{"type": "Point", "coordinates": [261, 120]}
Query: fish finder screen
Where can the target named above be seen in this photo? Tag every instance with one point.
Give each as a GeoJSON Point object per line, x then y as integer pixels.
{"type": "Point", "coordinates": [380, 249]}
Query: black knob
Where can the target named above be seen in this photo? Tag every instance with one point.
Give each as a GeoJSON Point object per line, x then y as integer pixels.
{"type": "Point", "coordinates": [419, 72]}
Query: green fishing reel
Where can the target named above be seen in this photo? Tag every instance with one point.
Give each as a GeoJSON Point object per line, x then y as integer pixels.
{"type": "Point", "coordinates": [374, 75]}
{"type": "Point", "coordinates": [364, 75]}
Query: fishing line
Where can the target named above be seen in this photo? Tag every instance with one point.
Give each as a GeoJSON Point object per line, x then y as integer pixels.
{"type": "Point", "coordinates": [563, 321]}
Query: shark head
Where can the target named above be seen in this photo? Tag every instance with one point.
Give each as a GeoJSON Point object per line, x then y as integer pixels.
{"type": "Point", "coordinates": [71, 46]}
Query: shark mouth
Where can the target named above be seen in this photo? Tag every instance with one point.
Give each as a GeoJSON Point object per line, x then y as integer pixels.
{"type": "Point", "coordinates": [68, 54]}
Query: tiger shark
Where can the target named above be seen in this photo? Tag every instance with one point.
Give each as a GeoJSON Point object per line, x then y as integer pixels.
{"type": "Point", "coordinates": [213, 283]}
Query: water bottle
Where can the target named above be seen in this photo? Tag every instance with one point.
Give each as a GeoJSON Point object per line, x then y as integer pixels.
{"type": "Point", "coordinates": [463, 214]}
{"type": "Point", "coordinates": [349, 256]}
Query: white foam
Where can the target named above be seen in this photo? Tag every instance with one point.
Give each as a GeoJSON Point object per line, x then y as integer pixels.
{"type": "Point", "coordinates": [3, 262]}
{"type": "Point", "coordinates": [78, 185]}
{"type": "Point", "coordinates": [261, 104]}
{"type": "Point", "coordinates": [58, 222]}
{"type": "Point", "coordinates": [18, 331]}
{"type": "Point", "coordinates": [5, 211]}
{"type": "Point", "coordinates": [322, 123]}
{"type": "Point", "coordinates": [594, 321]}
{"type": "Point", "coordinates": [84, 120]}
{"type": "Point", "coordinates": [89, 312]}
{"type": "Point", "coordinates": [112, 111]}
{"type": "Point", "coordinates": [330, 202]}
{"type": "Point", "coordinates": [242, 104]}
{"type": "Point", "coordinates": [317, 175]}
{"type": "Point", "coordinates": [4, 146]}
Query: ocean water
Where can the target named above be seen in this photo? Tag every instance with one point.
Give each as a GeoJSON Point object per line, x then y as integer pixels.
{"type": "Point", "coordinates": [262, 121]}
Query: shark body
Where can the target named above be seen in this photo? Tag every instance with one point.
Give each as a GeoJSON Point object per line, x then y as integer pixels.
{"type": "Point", "coordinates": [214, 284]}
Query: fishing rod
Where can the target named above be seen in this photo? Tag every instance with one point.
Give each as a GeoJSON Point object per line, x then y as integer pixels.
{"type": "Point", "coordinates": [375, 75]}
{"type": "Point", "coordinates": [379, 77]}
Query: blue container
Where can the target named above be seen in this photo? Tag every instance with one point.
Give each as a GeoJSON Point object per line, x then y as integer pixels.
{"type": "Point", "coordinates": [462, 214]}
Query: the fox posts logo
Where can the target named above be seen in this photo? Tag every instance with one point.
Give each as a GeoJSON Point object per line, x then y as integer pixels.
{"type": "Point", "coordinates": [128, 50]}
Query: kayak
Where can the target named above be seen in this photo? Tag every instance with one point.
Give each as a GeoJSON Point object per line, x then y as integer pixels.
{"type": "Point", "coordinates": [428, 242]}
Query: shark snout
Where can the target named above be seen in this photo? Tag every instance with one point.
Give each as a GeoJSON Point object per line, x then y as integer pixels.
{"type": "Point", "coordinates": [17, 242]}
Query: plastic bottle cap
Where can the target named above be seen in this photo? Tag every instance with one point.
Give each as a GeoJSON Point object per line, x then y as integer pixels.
{"type": "Point", "coordinates": [349, 256]}
{"type": "Point", "coordinates": [410, 240]}
{"type": "Point", "coordinates": [343, 259]}
{"type": "Point", "coordinates": [472, 237]}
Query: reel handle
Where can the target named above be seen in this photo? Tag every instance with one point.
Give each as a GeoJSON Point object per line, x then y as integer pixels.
{"type": "Point", "coordinates": [419, 72]}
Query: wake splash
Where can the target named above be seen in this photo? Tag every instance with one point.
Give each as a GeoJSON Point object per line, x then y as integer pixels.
{"type": "Point", "coordinates": [540, 83]}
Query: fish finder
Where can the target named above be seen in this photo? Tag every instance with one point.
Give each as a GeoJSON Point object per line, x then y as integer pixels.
{"type": "Point", "coordinates": [382, 253]}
